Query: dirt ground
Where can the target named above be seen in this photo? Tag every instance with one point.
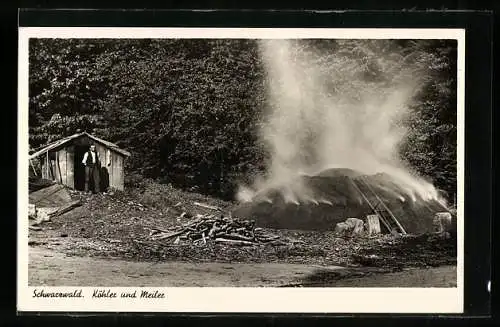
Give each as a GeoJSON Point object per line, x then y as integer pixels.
{"type": "Point", "coordinates": [52, 268]}
{"type": "Point", "coordinates": [48, 267]}
{"type": "Point", "coordinates": [106, 242]}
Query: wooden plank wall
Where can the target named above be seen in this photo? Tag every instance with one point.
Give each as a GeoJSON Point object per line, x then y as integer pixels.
{"type": "Point", "coordinates": [119, 173]}
{"type": "Point", "coordinates": [110, 169]}
{"type": "Point", "coordinates": [42, 165]}
{"type": "Point", "coordinates": [63, 164]}
{"type": "Point", "coordinates": [54, 164]}
{"type": "Point", "coordinates": [115, 170]}
{"type": "Point", "coordinates": [50, 167]}
{"type": "Point", "coordinates": [70, 166]}
{"type": "Point", "coordinates": [102, 150]}
{"type": "Point", "coordinates": [52, 171]}
{"type": "Point", "coordinates": [113, 175]}
{"type": "Point", "coordinates": [61, 167]}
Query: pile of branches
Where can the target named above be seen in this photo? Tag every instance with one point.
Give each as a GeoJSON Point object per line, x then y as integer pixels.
{"type": "Point", "coordinates": [210, 228]}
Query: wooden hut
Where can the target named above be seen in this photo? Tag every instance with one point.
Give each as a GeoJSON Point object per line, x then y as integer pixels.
{"type": "Point", "coordinates": [61, 161]}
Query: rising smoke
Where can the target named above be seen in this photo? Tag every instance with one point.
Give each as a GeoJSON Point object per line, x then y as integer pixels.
{"type": "Point", "coordinates": [334, 111]}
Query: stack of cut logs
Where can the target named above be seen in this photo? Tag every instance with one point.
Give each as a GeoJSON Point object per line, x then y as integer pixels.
{"type": "Point", "coordinates": [210, 228]}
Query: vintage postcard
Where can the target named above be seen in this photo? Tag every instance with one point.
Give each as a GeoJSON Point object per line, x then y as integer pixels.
{"type": "Point", "coordinates": [241, 170]}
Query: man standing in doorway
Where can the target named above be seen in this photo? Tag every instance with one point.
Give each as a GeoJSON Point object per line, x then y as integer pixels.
{"type": "Point", "coordinates": [92, 164]}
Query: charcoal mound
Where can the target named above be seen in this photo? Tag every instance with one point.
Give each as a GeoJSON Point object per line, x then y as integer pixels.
{"type": "Point", "coordinates": [338, 198]}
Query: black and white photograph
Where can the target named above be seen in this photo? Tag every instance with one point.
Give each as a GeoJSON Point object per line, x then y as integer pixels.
{"type": "Point", "coordinates": [294, 162]}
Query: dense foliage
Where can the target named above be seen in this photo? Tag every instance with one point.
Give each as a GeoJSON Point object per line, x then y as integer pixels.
{"type": "Point", "coordinates": [189, 109]}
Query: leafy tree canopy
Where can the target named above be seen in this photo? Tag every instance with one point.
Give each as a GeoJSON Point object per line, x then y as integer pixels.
{"type": "Point", "coordinates": [189, 109]}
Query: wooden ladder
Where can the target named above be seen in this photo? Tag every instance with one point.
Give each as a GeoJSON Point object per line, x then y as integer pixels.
{"type": "Point", "coordinates": [380, 208]}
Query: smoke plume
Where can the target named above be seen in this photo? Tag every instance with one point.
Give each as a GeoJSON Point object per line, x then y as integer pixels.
{"type": "Point", "coordinates": [327, 110]}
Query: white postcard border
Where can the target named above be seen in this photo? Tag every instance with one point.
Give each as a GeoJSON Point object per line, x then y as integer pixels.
{"type": "Point", "coordinates": [241, 299]}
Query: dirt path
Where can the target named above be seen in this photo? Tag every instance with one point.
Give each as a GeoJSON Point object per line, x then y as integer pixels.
{"type": "Point", "coordinates": [52, 268]}
{"type": "Point", "coordinates": [48, 267]}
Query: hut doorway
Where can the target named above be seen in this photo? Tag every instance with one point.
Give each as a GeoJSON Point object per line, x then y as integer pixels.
{"type": "Point", "coordinates": [79, 167]}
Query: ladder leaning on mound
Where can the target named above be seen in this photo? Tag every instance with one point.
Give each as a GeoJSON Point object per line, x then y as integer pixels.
{"type": "Point", "coordinates": [380, 208]}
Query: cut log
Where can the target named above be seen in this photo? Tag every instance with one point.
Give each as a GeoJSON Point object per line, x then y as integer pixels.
{"type": "Point", "coordinates": [192, 223]}
{"type": "Point", "coordinates": [442, 222]}
{"type": "Point", "coordinates": [203, 230]}
{"type": "Point", "coordinates": [236, 237]}
{"type": "Point", "coordinates": [207, 206]}
{"type": "Point", "coordinates": [355, 225]}
{"type": "Point", "coordinates": [162, 237]}
{"type": "Point", "coordinates": [341, 229]}
{"type": "Point", "coordinates": [65, 208]}
{"type": "Point", "coordinates": [213, 230]}
{"type": "Point", "coordinates": [237, 242]}
{"type": "Point", "coordinates": [373, 223]}
{"type": "Point", "coordinates": [155, 230]}
{"type": "Point", "coordinates": [205, 222]}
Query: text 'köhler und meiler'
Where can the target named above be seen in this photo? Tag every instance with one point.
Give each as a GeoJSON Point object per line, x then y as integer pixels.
{"type": "Point", "coordinates": [151, 294]}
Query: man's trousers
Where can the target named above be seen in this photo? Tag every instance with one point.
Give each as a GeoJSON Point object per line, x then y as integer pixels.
{"type": "Point", "coordinates": [92, 175]}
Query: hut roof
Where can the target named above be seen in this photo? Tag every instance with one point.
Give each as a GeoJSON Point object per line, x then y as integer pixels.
{"type": "Point", "coordinates": [67, 139]}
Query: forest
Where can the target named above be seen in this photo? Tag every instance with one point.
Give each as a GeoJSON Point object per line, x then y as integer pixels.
{"type": "Point", "coordinates": [189, 110]}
